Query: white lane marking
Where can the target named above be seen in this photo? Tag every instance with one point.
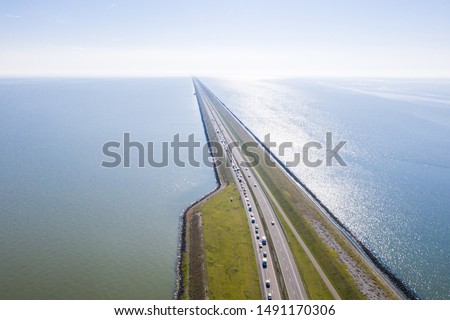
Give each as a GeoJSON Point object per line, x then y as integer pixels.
{"type": "Point", "coordinates": [210, 111]}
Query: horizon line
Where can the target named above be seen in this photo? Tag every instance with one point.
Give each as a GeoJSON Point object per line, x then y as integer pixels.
{"type": "Point", "coordinates": [240, 76]}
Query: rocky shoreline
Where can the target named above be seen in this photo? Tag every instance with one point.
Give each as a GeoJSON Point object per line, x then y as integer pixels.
{"type": "Point", "coordinates": [179, 286]}
{"type": "Point", "coordinates": [385, 271]}
{"type": "Point", "coordinates": [393, 278]}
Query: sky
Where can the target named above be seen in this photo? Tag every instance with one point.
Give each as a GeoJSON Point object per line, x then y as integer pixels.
{"type": "Point", "coordinates": [225, 38]}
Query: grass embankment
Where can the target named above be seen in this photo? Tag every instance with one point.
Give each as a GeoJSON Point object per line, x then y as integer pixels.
{"type": "Point", "coordinates": [219, 262]}
{"type": "Point", "coordinates": [301, 211]}
{"type": "Point", "coordinates": [317, 291]}
{"type": "Point", "coordinates": [293, 206]}
{"type": "Point", "coordinates": [230, 260]}
{"type": "Point", "coordinates": [314, 285]}
{"type": "Point", "coordinates": [185, 271]}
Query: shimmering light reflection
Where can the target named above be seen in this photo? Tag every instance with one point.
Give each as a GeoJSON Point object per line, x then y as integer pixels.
{"type": "Point", "coordinates": [389, 196]}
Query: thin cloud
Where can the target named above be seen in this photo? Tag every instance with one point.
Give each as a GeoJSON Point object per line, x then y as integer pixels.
{"type": "Point", "coordinates": [78, 48]}
{"type": "Point", "coordinates": [11, 16]}
{"type": "Point", "coordinates": [61, 20]}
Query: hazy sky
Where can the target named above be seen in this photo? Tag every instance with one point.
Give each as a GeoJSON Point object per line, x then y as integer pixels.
{"type": "Point", "coordinates": [235, 38]}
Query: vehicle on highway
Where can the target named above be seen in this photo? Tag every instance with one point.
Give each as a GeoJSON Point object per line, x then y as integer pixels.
{"type": "Point", "coordinates": [253, 220]}
{"type": "Point", "coordinates": [269, 296]}
{"type": "Point", "coordinates": [256, 226]}
{"type": "Point", "coordinates": [273, 222]}
{"type": "Point", "coordinates": [254, 185]}
{"type": "Point", "coordinates": [264, 240]}
{"type": "Point", "coordinates": [250, 209]}
{"type": "Point", "coordinates": [265, 254]}
{"type": "Point", "coordinates": [257, 237]}
{"type": "Point", "coordinates": [264, 263]}
{"type": "Point", "coordinates": [256, 231]}
{"type": "Point", "coordinates": [267, 283]}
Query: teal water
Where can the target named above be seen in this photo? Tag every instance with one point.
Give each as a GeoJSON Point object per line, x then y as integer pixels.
{"type": "Point", "coordinates": [394, 195]}
{"type": "Point", "coordinates": [71, 229]}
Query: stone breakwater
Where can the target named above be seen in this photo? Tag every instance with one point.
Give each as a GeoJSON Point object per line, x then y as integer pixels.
{"type": "Point", "coordinates": [398, 283]}
{"type": "Point", "coordinates": [179, 285]}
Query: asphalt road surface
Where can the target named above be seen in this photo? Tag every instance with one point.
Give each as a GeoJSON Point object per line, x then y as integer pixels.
{"type": "Point", "coordinates": [246, 179]}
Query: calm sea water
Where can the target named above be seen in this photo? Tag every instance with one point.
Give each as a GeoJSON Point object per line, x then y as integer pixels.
{"type": "Point", "coordinates": [395, 192]}
{"type": "Point", "coordinates": [71, 229]}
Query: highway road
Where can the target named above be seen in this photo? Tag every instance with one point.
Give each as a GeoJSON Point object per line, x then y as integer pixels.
{"type": "Point", "coordinates": [267, 273]}
{"type": "Point", "coordinates": [246, 179]}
